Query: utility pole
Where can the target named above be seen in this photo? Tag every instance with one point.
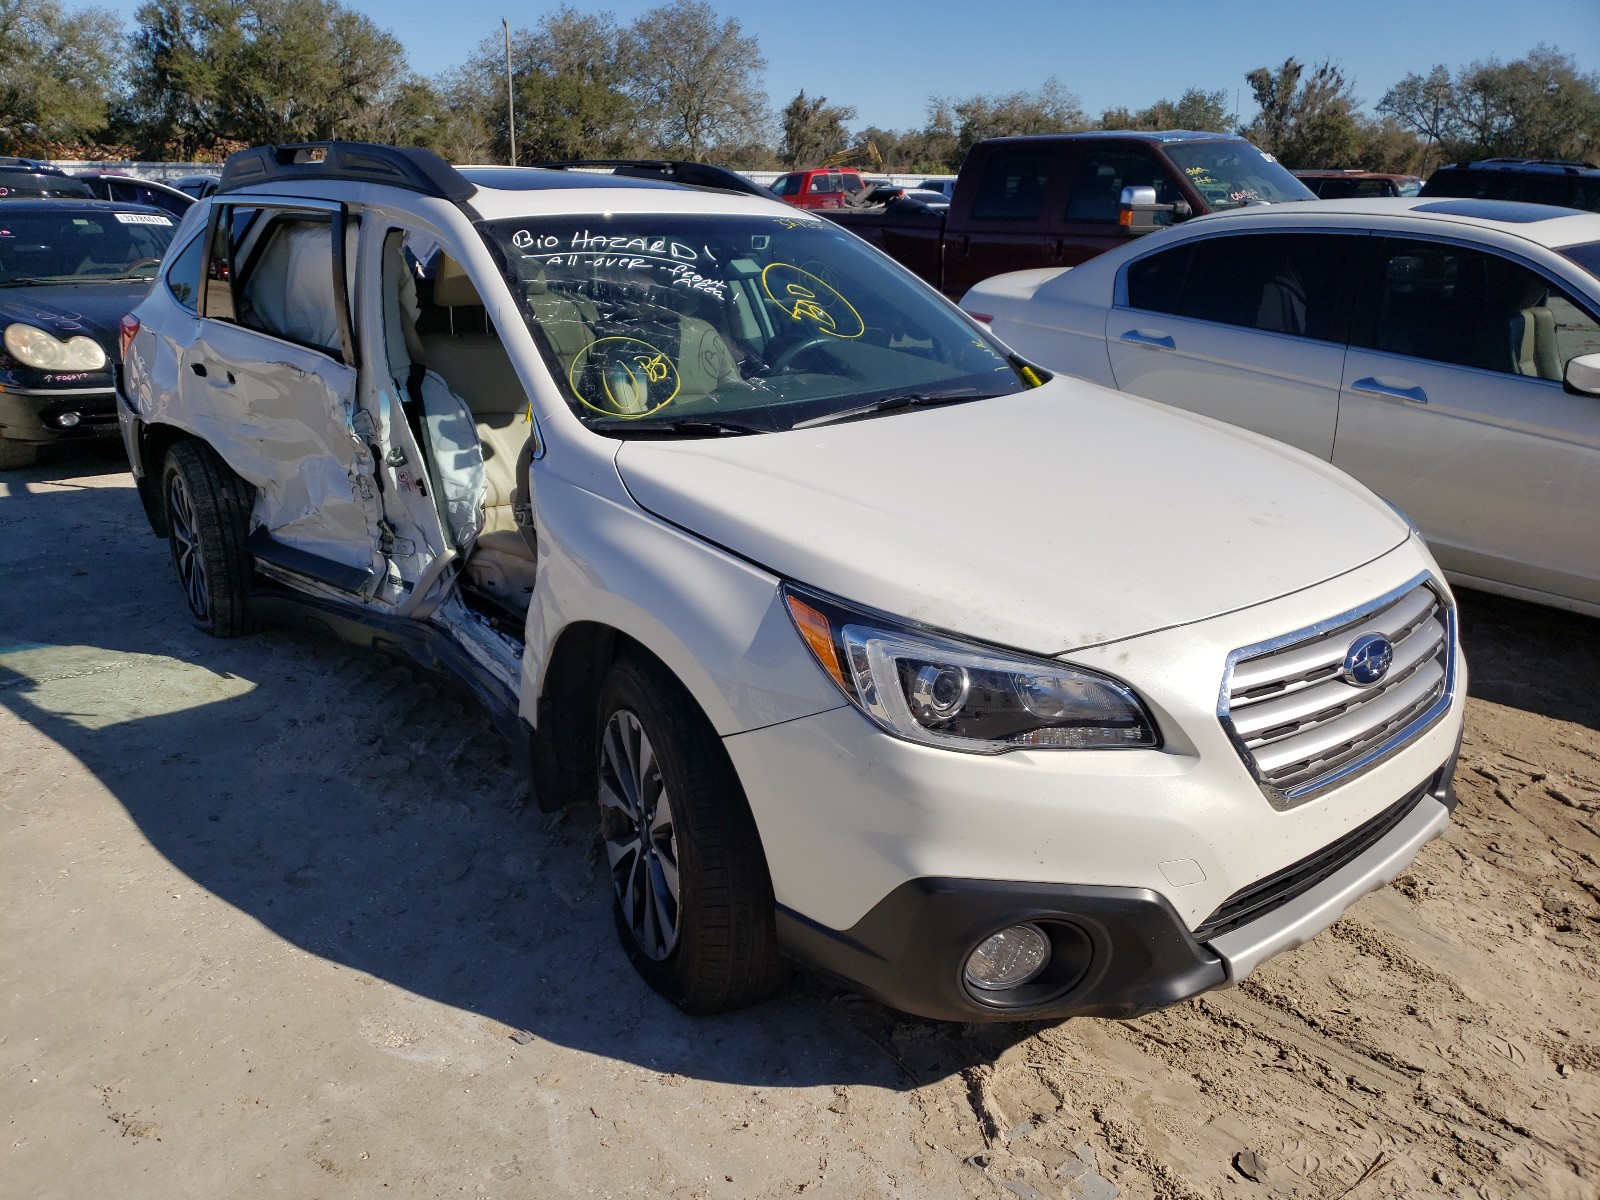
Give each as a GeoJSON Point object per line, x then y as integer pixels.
{"type": "Point", "coordinates": [511, 104]}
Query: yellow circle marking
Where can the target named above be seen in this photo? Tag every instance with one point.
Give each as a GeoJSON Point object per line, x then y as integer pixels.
{"type": "Point", "coordinates": [807, 297]}
{"type": "Point", "coordinates": [646, 365]}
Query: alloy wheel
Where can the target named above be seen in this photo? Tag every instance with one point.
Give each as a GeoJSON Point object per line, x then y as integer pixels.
{"type": "Point", "coordinates": [186, 547]}
{"type": "Point", "coordinates": [641, 839]}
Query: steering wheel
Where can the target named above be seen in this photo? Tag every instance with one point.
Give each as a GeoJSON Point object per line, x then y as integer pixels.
{"type": "Point", "coordinates": [143, 262]}
{"type": "Point", "coordinates": [788, 354]}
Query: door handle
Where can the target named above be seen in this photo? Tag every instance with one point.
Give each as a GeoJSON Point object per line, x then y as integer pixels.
{"type": "Point", "coordinates": [1373, 386]}
{"type": "Point", "coordinates": [1145, 337]}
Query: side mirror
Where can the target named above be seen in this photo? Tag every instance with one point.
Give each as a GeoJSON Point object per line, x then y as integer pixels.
{"type": "Point", "coordinates": [1141, 214]}
{"type": "Point", "coordinates": [1582, 377]}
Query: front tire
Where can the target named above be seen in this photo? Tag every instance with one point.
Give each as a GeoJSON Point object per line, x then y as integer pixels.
{"type": "Point", "coordinates": [208, 512]}
{"type": "Point", "coordinates": [692, 897]}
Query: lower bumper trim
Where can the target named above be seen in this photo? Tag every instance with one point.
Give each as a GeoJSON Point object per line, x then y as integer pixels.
{"type": "Point", "coordinates": [1129, 951]}
{"type": "Point", "coordinates": [1308, 914]}
{"type": "Point", "coordinates": [909, 950]}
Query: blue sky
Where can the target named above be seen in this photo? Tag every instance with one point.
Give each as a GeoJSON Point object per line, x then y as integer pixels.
{"type": "Point", "coordinates": [885, 57]}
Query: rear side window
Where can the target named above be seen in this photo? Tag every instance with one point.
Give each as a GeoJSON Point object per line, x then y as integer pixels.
{"type": "Point", "coordinates": [1013, 184]}
{"type": "Point", "coordinates": [273, 272]}
{"type": "Point", "coordinates": [183, 276]}
{"type": "Point", "coordinates": [1289, 283]}
{"type": "Point", "coordinates": [1102, 173]}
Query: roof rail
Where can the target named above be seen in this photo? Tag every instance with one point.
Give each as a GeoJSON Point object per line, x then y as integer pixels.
{"type": "Point", "coordinates": [412, 168]}
{"type": "Point", "coordinates": [1571, 165]}
{"type": "Point", "coordinates": [690, 174]}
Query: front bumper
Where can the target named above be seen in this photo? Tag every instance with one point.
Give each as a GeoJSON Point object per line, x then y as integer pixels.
{"type": "Point", "coordinates": [1117, 951]}
{"type": "Point", "coordinates": [1176, 854]}
{"type": "Point", "coordinates": [41, 415]}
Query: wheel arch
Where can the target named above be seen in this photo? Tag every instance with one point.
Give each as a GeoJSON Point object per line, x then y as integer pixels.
{"type": "Point", "coordinates": [153, 442]}
{"type": "Point", "coordinates": [563, 746]}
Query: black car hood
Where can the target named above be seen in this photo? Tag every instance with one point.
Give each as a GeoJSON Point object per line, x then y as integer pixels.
{"type": "Point", "coordinates": [67, 309]}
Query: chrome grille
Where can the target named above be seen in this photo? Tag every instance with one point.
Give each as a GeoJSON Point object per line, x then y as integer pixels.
{"type": "Point", "coordinates": [1301, 725]}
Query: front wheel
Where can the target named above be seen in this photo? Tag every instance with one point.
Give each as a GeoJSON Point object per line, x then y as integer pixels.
{"type": "Point", "coordinates": [693, 900]}
{"type": "Point", "coordinates": [208, 510]}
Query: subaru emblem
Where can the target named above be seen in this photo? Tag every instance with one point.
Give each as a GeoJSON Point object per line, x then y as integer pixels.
{"type": "Point", "coordinates": [1368, 659]}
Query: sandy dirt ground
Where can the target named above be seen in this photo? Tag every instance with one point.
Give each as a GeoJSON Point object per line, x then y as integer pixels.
{"type": "Point", "coordinates": [274, 925]}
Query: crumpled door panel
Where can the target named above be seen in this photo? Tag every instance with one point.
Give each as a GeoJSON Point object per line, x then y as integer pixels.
{"type": "Point", "coordinates": [280, 415]}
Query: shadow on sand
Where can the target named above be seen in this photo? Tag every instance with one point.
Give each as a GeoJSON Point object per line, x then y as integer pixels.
{"type": "Point", "coordinates": [367, 813]}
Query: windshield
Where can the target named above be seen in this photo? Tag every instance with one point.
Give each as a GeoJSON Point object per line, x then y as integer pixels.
{"type": "Point", "coordinates": [80, 245]}
{"type": "Point", "coordinates": [1231, 172]}
{"type": "Point", "coordinates": [758, 323]}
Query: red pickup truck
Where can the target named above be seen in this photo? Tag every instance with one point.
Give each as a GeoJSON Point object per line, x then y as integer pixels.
{"type": "Point", "coordinates": [1054, 200]}
{"type": "Point", "coordinates": [820, 187]}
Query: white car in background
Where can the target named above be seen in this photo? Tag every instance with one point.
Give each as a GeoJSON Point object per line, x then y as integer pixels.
{"type": "Point", "coordinates": [869, 644]}
{"type": "Point", "coordinates": [1444, 352]}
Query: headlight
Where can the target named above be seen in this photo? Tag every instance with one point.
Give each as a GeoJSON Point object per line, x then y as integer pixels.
{"type": "Point", "coordinates": [929, 687]}
{"type": "Point", "coordinates": [39, 349]}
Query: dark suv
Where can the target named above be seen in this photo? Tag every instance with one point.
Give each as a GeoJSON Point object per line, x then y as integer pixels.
{"type": "Point", "coordinates": [30, 178]}
{"type": "Point", "coordinates": [1532, 180]}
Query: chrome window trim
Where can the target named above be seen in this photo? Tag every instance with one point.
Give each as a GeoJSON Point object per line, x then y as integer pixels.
{"type": "Point", "coordinates": [1282, 799]}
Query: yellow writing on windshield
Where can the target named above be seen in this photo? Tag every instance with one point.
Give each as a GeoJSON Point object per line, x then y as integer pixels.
{"type": "Point", "coordinates": [623, 377]}
{"type": "Point", "coordinates": [809, 298]}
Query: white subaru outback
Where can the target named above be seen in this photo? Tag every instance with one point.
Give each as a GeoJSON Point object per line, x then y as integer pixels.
{"type": "Point", "coordinates": [995, 694]}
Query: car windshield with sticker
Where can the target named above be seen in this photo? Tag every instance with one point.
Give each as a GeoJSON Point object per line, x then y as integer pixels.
{"type": "Point", "coordinates": [81, 247]}
{"type": "Point", "coordinates": [664, 323]}
{"type": "Point", "coordinates": [1231, 173]}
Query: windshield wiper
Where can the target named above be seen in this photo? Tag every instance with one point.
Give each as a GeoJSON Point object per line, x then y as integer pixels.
{"type": "Point", "coordinates": [896, 403]}
{"type": "Point", "coordinates": [678, 427]}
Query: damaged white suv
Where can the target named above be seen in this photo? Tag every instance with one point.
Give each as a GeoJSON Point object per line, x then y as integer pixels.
{"type": "Point", "coordinates": [994, 694]}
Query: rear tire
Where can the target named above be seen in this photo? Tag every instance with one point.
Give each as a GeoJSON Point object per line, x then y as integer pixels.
{"type": "Point", "coordinates": [692, 897]}
{"type": "Point", "coordinates": [16, 454]}
{"type": "Point", "coordinates": [208, 514]}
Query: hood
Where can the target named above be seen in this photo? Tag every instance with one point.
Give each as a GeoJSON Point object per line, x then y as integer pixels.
{"type": "Point", "coordinates": [1047, 521]}
{"type": "Point", "coordinates": [66, 309]}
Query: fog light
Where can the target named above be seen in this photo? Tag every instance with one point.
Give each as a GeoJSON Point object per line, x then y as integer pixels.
{"type": "Point", "coordinates": [1009, 958]}
{"type": "Point", "coordinates": [67, 420]}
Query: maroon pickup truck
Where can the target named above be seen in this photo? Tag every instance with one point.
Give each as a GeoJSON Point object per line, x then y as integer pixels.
{"type": "Point", "coordinates": [1055, 200]}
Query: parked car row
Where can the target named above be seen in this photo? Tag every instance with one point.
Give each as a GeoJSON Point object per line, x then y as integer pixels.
{"type": "Point", "coordinates": [1120, 701]}
{"type": "Point", "coordinates": [70, 268]}
{"type": "Point", "coordinates": [27, 178]}
{"type": "Point", "coordinates": [76, 253]}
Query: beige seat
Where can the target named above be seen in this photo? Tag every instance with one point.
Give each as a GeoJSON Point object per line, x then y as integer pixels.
{"type": "Point", "coordinates": [473, 362]}
{"type": "Point", "coordinates": [705, 360]}
{"type": "Point", "coordinates": [566, 321]}
{"type": "Point", "coordinates": [1535, 343]}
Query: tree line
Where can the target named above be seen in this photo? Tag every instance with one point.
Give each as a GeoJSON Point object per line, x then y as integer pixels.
{"type": "Point", "coordinates": [195, 79]}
